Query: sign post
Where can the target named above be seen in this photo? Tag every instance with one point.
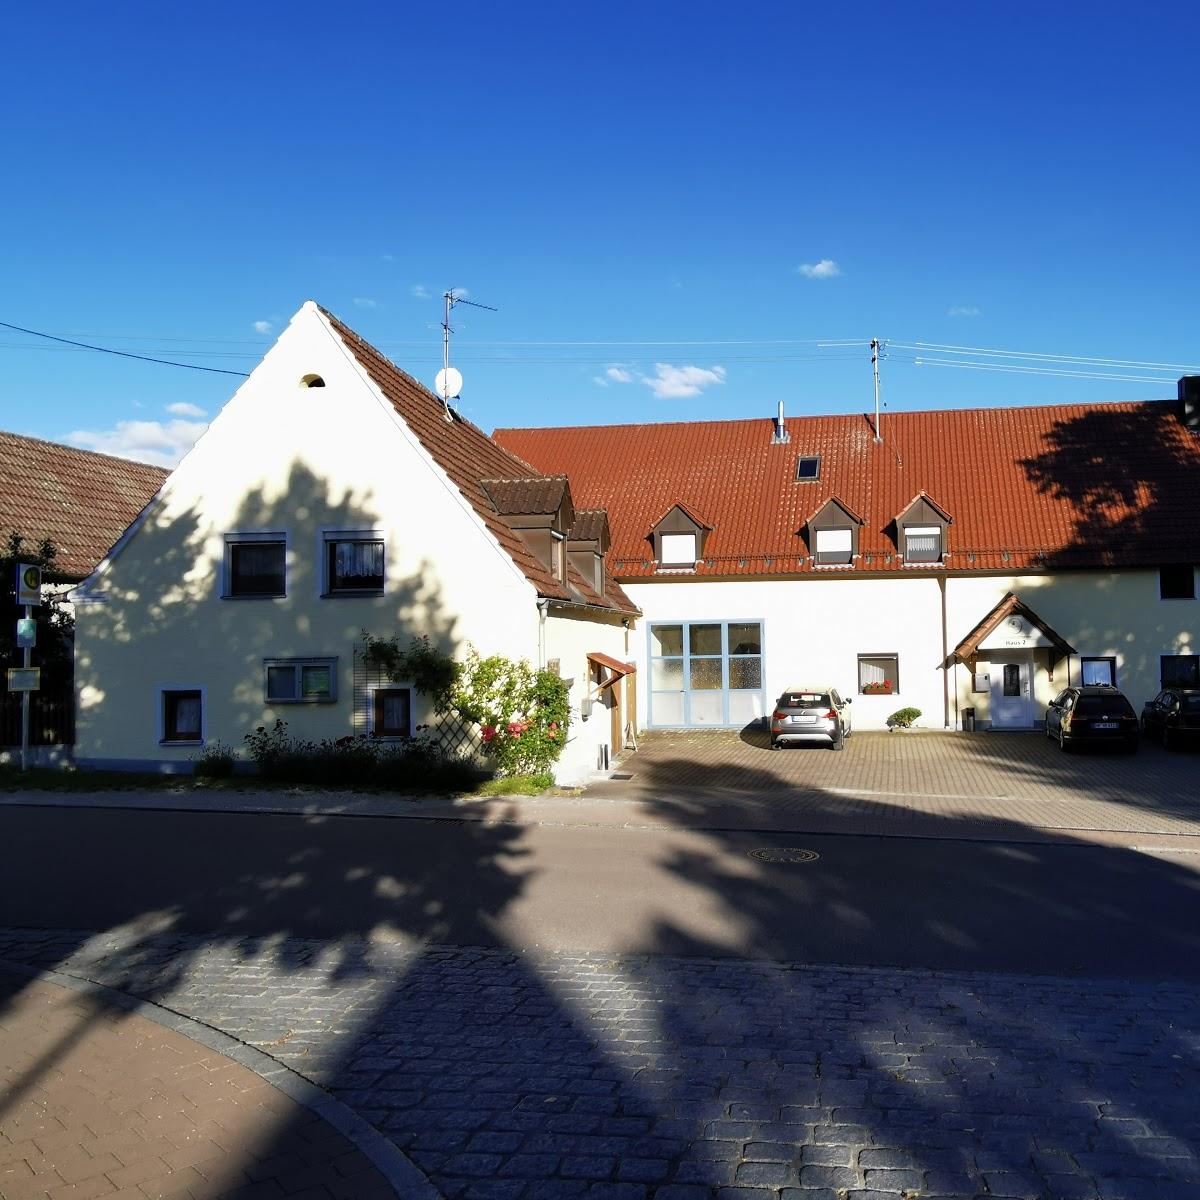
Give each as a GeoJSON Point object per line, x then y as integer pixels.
{"type": "Point", "coordinates": [29, 593]}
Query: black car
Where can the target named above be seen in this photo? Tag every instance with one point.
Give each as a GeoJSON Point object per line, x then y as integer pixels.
{"type": "Point", "coordinates": [1173, 715]}
{"type": "Point", "coordinates": [1094, 716]}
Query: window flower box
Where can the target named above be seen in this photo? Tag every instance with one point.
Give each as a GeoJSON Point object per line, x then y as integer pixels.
{"type": "Point", "coordinates": [877, 689]}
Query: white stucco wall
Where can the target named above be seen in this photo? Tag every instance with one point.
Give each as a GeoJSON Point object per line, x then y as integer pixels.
{"type": "Point", "coordinates": [815, 628]}
{"type": "Point", "coordinates": [570, 639]}
{"type": "Point", "coordinates": [281, 457]}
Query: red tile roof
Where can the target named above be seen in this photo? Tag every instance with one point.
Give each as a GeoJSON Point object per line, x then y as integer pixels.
{"type": "Point", "coordinates": [1067, 485]}
{"type": "Point", "coordinates": [541, 495]}
{"type": "Point", "coordinates": [469, 456]}
{"type": "Point", "coordinates": [80, 500]}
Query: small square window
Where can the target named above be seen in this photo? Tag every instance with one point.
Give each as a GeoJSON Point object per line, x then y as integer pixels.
{"type": "Point", "coordinates": [353, 564]}
{"type": "Point", "coordinates": [922, 543]}
{"type": "Point", "coordinates": [391, 712]}
{"type": "Point", "coordinates": [301, 680]}
{"type": "Point", "coordinates": [182, 716]}
{"type": "Point", "coordinates": [1177, 582]}
{"type": "Point", "coordinates": [878, 674]}
{"type": "Point", "coordinates": [808, 468]}
{"type": "Point", "coordinates": [834, 546]}
{"type": "Point", "coordinates": [678, 549]}
{"type": "Point", "coordinates": [1096, 672]}
{"type": "Point", "coordinates": [256, 566]}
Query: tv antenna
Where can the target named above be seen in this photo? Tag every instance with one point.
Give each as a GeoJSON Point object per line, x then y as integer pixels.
{"type": "Point", "coordinates": [449, 381]}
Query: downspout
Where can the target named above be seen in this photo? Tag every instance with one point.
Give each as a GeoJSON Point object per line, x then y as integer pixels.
{"type": "Point", "coordinates": [945, 654]}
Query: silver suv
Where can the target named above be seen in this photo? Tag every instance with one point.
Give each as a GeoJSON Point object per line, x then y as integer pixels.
{"type": "Point", "coordinates": [816, 714]}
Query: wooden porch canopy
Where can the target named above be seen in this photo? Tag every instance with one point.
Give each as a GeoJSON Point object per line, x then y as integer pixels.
{"type": "Point", "coordinates": [616, 669]}
{"type": "Point", "coordinates": [967, 651]}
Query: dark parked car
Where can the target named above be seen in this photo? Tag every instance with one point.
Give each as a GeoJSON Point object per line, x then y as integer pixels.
{"type": "Point", "coordinates": [817, 714]}
{"type": "Point", "coordinates": [1173, 715]}
{"type": "Point", "coordinates": [1092, 716]}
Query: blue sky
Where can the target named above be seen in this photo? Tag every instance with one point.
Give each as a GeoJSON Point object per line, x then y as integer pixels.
{"type": "Point", "coordinates": [636, 187]}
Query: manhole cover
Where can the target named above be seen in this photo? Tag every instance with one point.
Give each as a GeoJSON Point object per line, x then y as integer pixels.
{"type": "Point", "coordinates": [784, 854]}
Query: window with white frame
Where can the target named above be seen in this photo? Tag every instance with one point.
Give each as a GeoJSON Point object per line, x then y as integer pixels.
{"type": "Point", "coordinates": [182, 715]}
{"type": "Point", "coordinates": [255, 565]}
{"type": "Point", "coordinates": [923, 543]}
{"type": "Point", "coordinates": [678, 549]}
{"type": "Point", "coordinates": [834, 546]}
{"type": "Point", "coordinates": [1094, 672]}
{"type": "Point", "coordinates": [300, 680]}
{"type": "Point", "coordinates": [878, 674]}
{"type": "Point", "coordinates": [354, 563]}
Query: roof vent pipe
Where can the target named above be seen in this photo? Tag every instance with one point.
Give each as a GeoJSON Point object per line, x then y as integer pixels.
{"type": "Point", "coordinates": [781, 434]}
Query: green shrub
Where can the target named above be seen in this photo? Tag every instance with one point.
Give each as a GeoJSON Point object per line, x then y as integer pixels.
{"type": "Point", "coordinates": [902, 718]}
{"type": "Point", "coordinates": [215, 761]}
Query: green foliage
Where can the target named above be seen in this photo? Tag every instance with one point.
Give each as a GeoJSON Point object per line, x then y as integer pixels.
{"type": "Point", "coordinates": [417, 764]}
{"type": "Point", "coordinates": [902, 718]}
{"type": "Point", "coordinates": [215, 761]}
{"type": "Point", "coordinates": [429, 669]}
{"type": "Point", "coordinates": [522, 714]}
{"type": "Point", "coordinates": [516, 785]}
{"type": "Point", "coordinates": [55, 626]}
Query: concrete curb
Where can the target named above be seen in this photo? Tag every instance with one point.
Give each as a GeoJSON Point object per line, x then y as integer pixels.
{"type": "Point", "coordinates": [403, 1176]}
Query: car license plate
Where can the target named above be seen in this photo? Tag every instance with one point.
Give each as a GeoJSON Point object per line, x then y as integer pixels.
{"type": "Point", "coordinates": [1105, 725]}
{"type": "Point", "coordinates": [805, 718]}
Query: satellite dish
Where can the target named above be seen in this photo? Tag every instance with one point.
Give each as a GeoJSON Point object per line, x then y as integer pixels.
{"type": "Point", "coordinates": [448, 383]}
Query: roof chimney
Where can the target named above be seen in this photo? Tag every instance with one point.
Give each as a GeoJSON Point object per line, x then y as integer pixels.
{"type": "Point", "coordinates": [780, 435]}
{"type": "Point", "coordinates": [1189, 402]}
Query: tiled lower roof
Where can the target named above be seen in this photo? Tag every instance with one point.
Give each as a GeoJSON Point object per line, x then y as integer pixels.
{"type": "Point", "coordinates": [82, 501]}
{"type": "Point", "coordinates": [1080, 485]}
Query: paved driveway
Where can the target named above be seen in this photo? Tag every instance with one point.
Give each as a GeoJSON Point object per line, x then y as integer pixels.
{"type": "Point", "coordinates": [913, 782]}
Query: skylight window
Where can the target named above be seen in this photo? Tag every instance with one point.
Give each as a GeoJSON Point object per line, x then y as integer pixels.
{"type": "Point", "coordinates": [808, 467]}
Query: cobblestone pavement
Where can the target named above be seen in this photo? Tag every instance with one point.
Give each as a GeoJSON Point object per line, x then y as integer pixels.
{"type": "Point", "coordinates": [909, 783]}
{"type": "Point", "coordinates": [511, 1076]}
{"type": "Point", "coordinates": [98, 1102]}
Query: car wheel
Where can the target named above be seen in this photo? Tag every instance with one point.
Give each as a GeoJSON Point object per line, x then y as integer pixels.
{"type": "Point", "coordinates": [1168, 739]}
{"type": "Point", "coordinates": [1062, 740]}
{"type": "Point", "coordinates": [1046, 728]}
{"type": "Point", "coordinates": [776, 745]}
{"type": "Point", "coordinates": [839, 744]}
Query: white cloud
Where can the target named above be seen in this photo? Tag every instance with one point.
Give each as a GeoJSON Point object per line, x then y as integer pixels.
{"type": "Point", "coordinates": [825, 269]}
{"type": "Point", "coordinates": [158, 442]}
{"type": "Point", "coordinates": [388, 257]}
{"type": "Point", "coordinates": [599, 379]}
{"type": "Point", "coordinates": [460, 293]}
{"type": "Point", "coordinates": [962, 310]}
{"type": "Point", "coordinates": [419, 291]}
{"type": "Point", "coordinates": [183, 409]}
{"type": "Point", "coordinates": [618, 375]}
{"type": "Point", "coordinates": [365, 302]}
{"type": "Point", "coordinates": [262, 326]}
{"type": "Point", "coordinates": [674, 383]}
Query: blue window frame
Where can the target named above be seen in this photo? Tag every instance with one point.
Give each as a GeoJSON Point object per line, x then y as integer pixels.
{"type": "Point", "coordinates": [706, 674]}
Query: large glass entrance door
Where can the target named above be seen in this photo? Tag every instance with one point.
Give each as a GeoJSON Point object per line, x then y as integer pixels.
{"type": "Point", "coordinates": [706, 674]}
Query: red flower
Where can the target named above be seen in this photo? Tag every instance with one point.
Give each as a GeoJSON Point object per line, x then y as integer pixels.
{"type": "Point", "coordinates": [489, 732]}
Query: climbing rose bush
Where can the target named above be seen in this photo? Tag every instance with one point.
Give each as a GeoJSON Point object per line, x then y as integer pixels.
{"type": "Point", "coordinates": [523, 714]}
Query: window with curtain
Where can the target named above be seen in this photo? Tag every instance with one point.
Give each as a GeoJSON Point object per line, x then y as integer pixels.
{"type": "Point", "coordinates": [922, 543]}
{"type": "Point", "coordinates": [391, 712]}
{"type": "Point", "coordinates": [182, 716]}
{"type": "Point", "coordinates": [256, 567]}
{"type": "Point", "coordinates": [355, 565]}
{"type": "Point", "coordinates": [1097, 671]}
{"type": "Point", "coordinates": [878, 674]}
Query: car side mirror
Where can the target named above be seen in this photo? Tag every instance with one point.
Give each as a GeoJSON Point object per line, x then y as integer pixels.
{"type": "Point", "coordinates": [848, 700]}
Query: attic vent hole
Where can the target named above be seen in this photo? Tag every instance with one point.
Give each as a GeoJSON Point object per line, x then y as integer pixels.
{"type": "Point", "coordinates": [808, 466]}
{"type": "Point", "coordinates": [312, 381]}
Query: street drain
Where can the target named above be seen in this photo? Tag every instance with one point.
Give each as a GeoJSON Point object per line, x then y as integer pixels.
{"type": "Point", "coordinates": [616, 776]}
{"type": "Point", "coordinates": [784, 854]}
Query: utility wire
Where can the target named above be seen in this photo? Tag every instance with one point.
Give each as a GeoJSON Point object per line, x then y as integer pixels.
{"type": "Point", "coordinates": [121, 353]}
{"type": "Point", "coordinates": [938, 348]}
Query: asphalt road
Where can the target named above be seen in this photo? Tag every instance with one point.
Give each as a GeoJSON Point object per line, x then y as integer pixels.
{"type": "Point", "coordinates": [1061, 910]}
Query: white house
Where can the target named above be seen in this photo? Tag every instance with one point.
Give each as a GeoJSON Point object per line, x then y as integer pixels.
{"type": "Point", "coordinates": [966, 563]}
{"type": "Point", "coordinates": [334, 495]}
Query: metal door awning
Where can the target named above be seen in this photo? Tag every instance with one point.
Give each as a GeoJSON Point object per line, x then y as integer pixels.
{"type": "Point", "coordinates": [616, 669]}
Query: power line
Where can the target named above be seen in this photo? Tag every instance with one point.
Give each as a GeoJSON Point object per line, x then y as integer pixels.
{"type": "Point", "coordinates": [121, 353]}
{"type": "Point", "coordinates": [1013, 368]}
{"type": "Point", "coordinates": [941, 348]}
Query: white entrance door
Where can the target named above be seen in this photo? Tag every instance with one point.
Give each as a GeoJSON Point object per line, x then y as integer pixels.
{"type": "Point", "coordinates": [1012, 691]}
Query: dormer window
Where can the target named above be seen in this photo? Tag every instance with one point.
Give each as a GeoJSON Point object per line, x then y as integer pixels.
{"type": "Point", "coordinates": [678, 537]}
{"type": "Point", "coordinates": [678, 549]}
{"type": "Point", "coordinates": [921, 531]}
{"type": "Point", "coordinates": [539, 510]}
{"type": "Point", "coordinates": [832, 533]}
{"type": "Point", "coordinates": [923, 543]}
{"type": "Point", "coordinates": [834, 546]}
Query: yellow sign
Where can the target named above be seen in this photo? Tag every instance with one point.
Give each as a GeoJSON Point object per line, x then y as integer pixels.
{"type": "Point", "coordinates": [29, 583]}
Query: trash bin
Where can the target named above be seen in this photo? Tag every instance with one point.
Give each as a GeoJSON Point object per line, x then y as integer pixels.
{"type": "Point", "coordinates": [968, 720]}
